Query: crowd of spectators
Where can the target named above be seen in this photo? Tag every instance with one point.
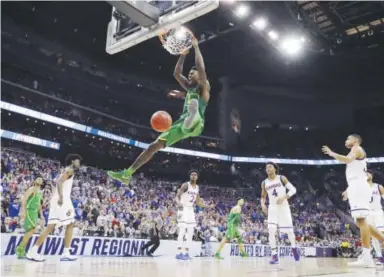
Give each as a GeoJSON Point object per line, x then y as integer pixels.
{"type": "Point", "coordinates": [106, 208]}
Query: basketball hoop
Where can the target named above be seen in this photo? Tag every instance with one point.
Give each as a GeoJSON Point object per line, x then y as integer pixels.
{"type": "Point", "coordinates": [176, 40]}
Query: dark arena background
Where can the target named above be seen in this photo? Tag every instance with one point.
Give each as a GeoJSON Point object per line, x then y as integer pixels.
{"type": "Point", "coordinates": [286, 79]}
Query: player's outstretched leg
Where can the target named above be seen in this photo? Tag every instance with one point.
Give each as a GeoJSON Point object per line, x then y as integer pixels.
{"type": "Point", "coordinates": [242, 249]}
{"type": "Point", "coordinates": [125, 175]}
{"type": "Point", "coordinates": [32, 253]}
{"type": "Point", "coordinates": [20, 249]}
{"type": "Point", "coordinates": [222, 243]}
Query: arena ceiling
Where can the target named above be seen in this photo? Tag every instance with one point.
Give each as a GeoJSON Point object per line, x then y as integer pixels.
{"type": "Point", "coordinates": [345, 39]}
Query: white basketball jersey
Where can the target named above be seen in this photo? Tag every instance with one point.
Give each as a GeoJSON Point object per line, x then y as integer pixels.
{"type": "Point", "coordinates": [188, 198]}
{"type": "Point", "coordinates": [67, 188]}
{"type": "Point", "coordinates": [375, 204]}
{"type": "Point", "coordinates": [357, 169]}
{"type": "Point", "coordinates": [275, 189]}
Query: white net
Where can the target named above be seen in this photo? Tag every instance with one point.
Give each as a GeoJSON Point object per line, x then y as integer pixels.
{"type": "Point", "coordinates": [177, 40]}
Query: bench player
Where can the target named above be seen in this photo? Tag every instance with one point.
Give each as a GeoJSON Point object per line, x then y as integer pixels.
{"type": "Point", "coordinates": [279, 212]}
{"type": "Point", "coordinates": [359, 194]}
{"type": "Point", "coordinates": [61, 210]}
{"type": "Point", "coordinates": [191, 121]}
{"type": "Point", "coordinates": [186, 197]}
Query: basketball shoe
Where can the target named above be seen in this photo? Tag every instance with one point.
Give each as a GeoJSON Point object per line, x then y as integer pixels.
{"type": "Point", "coordinates": [123, 176]}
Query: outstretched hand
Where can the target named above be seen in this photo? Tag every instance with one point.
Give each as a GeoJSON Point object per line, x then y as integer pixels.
{"type": "Point", "coordinates": [186, 52]}
{"type": "Point", "coordinates": [327, 151]}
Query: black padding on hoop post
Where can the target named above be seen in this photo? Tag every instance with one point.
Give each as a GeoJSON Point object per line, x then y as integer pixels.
{"type": "Point", "coordinates": [140, 12]}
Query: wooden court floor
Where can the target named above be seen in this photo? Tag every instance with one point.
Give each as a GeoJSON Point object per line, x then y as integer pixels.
{"type": "Point", "coordinates": [165, 266]}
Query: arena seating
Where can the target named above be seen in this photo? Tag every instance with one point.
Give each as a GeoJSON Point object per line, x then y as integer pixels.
{"type": "Point", "coordinates": [107, 208]}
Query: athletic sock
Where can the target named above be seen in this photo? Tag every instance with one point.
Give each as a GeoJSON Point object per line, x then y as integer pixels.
{"type": "Point", "coordinates": [377, 247]}
{"type": "Point", "coordinates": [33, 250]}
{"type": "Point", "coordinates": [66, 252]}
{"type": "Point", "coordinates": [129, 171]}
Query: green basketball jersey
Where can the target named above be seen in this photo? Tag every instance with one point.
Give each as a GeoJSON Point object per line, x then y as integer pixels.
{"type": "Point", "coordinates": [34, 201]}
{"type": "Point", "coordinates": [234, 219]}
{"type": "Point", "coordinates": [193, 93]}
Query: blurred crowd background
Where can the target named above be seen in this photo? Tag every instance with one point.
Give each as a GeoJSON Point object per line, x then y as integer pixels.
{"type": "Point", "coordinates": [107, 208]}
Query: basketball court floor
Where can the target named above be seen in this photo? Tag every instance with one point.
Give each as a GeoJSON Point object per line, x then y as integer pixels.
{"type": "Point", "coordinates": [165, 266]}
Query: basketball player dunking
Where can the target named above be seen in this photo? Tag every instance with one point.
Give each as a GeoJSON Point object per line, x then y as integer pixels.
{"type": "Point", "coordinates": [186, 197]}
{"type": "Point", "coordinates": [359, 194]}
{"type": "Point", "coordinates": [190, 123]}
{"type": "Point", "coordinates": [279, 212]}
{"type": "Point", "coordinates": [61, 210]}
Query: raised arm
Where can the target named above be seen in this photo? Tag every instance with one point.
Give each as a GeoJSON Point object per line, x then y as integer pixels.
{"type": "Point", "coordinates": [178, 73]}
{"type": "Point", "coordinates": [200, 66]}
{"type": "Point", "coordinates": [355, 153]}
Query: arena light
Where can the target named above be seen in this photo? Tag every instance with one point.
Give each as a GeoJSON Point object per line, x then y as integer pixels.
{"type": "Point", "coordinates": [273, 35]}
{"type": "Point", "coordinates": [291, 46]}
{"type": "Point", "coordinates": [260, 23]}
{"type": "Point", "coordinates": [242, 11]}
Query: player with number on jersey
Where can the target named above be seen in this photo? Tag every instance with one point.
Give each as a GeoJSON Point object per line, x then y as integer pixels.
{"type": "Point", "coordinates": [359, 194]}
{"type": "Point", "coordinates": [186, 198]}
{"type": "Point", "coordinates": [279, 190]}
{"type": "Point", "coordinates": [61, 211]}
{"type": "Point", "coordinates": [376, 214]}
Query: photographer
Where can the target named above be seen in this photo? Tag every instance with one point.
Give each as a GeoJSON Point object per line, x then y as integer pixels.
{"type": "Point", "coordinates": [155, 237]}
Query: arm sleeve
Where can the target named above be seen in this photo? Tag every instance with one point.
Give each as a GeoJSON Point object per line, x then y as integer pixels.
{"type": "Point", "coordinates": [291, 189]}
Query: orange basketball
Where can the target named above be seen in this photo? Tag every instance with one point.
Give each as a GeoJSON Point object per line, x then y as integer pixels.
{"type": "Point", "coordinates": [161, 121]}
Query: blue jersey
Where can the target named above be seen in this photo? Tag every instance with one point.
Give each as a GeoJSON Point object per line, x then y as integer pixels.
{"type": "Point", "coordinates": [14, 209]}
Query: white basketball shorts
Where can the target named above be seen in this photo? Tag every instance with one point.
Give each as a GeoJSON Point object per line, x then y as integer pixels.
{"type": "Point", "coordinates": [281, 217]}
{"type": "Point", "coordinates": [359, 194]}
{"type": "Point", "coordinates": [186, 217]}
{"type": "Point", "coordinates": [376, 218]}
{"type": "Point", "coordinates": [63, 215]}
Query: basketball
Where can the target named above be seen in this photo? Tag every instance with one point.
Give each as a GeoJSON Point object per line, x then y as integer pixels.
{"type": "Point", "coordinates": [161, 121]}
